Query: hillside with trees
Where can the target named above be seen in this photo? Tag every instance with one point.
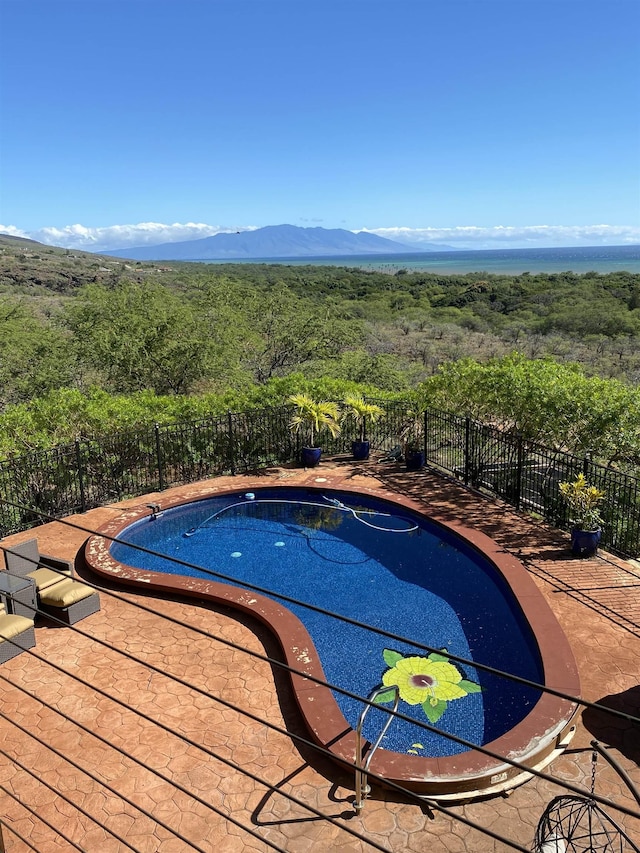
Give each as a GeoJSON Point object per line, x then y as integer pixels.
{"type": "Point", "coordinates": [89, 342]}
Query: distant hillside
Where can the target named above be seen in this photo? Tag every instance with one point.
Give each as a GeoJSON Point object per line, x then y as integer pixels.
{"type": "Point", "coordinates": [273, 241]}
{"type": "Point", "coordinates": [36, 269]}
{"type": "Point", "coordinates": [10, 240]}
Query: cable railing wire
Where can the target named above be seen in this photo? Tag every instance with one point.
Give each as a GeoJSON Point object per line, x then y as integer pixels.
{"type": "Point", "coordinates": [473, 663]}
{"type": "Point", "coordinates": [12, 830]}
{"type": "Point", "coordinates": [189, 741]}
{"type": "Point", "coordinates": [412, 796]}
{"type": "Point", "coordinates": [304, 741]}
{"type": "Point", "coordinates": [130, 757]}
{"type": "Point", "coordinates": [346, 619]}
{"type": "Point", "coordinates": [399, 638]}
{"type": "Point", "coordinates": [106, 785]}
{"type": "Point", "coordinates": [282, 731]}
{"type": "Point", "coordinates": [57, 791]}
{"type": "Point", "coordinates": [428, 727]}
{"type": "Point", "coordinates": [40, 819]}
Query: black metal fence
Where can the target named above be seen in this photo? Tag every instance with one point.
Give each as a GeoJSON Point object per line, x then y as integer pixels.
{"type": "Point", "coordinates": [527, 475]}
{"type": "Point", "coordinates": [87, 474]}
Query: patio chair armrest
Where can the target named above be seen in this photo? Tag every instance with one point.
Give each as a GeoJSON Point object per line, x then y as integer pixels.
{"type": "Point", "coordinates": [56, 563]}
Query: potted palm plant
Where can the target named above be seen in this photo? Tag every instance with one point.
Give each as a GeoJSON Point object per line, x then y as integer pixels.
{"type": "Point", "coordinates": [357, 411]}
{"type": "Point", "coordinates": [412, 437]}
{"type": "Point", "coordinates": [311, 417]}
{"type": "Point", "coordinates": [583, 503]}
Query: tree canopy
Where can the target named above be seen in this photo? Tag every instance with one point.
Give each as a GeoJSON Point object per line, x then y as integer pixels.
{"type": "Point", "coordinates": [100, 341]}
{"type": "Point", "coordinates": [553, 404]}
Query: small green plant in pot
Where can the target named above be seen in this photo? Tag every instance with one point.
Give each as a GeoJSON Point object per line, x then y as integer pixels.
{"type": "Point", "coordinates": [357, 411]}
{"type": "Point", "coordinates": [412, 437]}
{"type": "Point", "coordinates": [310, 418]}
{"type": "Point", "coordinates": [583, 503]}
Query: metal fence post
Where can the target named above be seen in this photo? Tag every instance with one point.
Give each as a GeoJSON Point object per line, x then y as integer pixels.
{"type": "Point", "coordinates": [424, 434]}
{"type": "Point", "coordinates": [519, 472]}
{"type": "Point", "coordinates": [83, 501]}
{"type": "Point", "coordinates": [427, 436]}
{"type": "Point", "coordinates": [232, 455]}
{"type": "Point", "coordinates": [156, 430]}
{"type": "Point", "coordinates": [467, 449]}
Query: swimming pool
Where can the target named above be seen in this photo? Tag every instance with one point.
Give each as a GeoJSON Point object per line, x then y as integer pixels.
{"type": "Point", "coordinates": [378, 563]}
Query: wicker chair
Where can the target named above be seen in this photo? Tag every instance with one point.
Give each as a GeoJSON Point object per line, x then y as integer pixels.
{"type": "Point", "coordinates": [16, 635]}
{"type": "Point", "coordinates": [59, 595]}
{"type": "Point", "coordinates": [25, 560]}
{"type": "Point", "coordinates": [69, 601]}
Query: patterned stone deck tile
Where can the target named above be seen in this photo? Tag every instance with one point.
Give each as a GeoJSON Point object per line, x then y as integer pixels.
{"type": "Point", "coordinates": [197, 790]}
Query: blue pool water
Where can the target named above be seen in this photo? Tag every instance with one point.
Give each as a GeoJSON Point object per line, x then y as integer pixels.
{"type": "Point", "coordinates": [370, 561]}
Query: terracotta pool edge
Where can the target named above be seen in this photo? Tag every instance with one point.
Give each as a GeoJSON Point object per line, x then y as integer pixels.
{"type": "Point", "coordinates": [531, 743]}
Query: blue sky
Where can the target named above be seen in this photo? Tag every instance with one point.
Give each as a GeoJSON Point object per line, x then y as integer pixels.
{"type": "Point", "coordinates": [475, 123]}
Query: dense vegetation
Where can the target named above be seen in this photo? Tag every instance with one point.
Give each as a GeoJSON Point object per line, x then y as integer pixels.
{"type": "Point", "coordinates": [89, 344]}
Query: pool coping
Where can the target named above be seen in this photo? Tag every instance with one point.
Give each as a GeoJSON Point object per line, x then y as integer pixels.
{"type": "Point", "coordinates": [535, 741]}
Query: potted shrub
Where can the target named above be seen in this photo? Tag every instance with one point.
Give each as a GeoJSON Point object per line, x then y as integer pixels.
{"type": "Point", "coordinates": [310, 418]}
{"type": "Point", "coordinates": [583, 502]}
{"type": "Point", "coordinates": [412, 437]}
{"type": "Point", "coordinates": [357, 411]}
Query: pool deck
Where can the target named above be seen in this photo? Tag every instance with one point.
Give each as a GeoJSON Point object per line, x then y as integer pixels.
{"type": "Point", "coordinates": [113, 737]}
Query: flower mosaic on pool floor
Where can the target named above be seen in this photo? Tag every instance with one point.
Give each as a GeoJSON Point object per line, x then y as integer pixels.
{"type": "Point", "coordinates": [431, 681]}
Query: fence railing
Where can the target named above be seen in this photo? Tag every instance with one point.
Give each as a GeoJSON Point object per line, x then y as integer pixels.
{"type": "Point", "coordinates": [527, 475]}
{"type": "Point", "coordinates": [87, 474]}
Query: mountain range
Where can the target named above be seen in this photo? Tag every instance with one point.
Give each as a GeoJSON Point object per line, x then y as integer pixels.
{"type": "Point", "coordinates": [273, 241]}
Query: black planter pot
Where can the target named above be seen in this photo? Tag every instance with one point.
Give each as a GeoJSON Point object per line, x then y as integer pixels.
{"type": "Point", "coordinates": [360, 449]}
{"type": "Point", "coordinates": [311, 456]}
{"type": "Point", "coordinates": [414, 460]}
{"type": "Point", "coordinates": [584, 543]}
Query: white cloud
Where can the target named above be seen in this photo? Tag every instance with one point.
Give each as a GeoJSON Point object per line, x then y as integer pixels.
{"type": "Point", "coordinates": [509, 236]}
{"type": "Point", "coordinates": [460, 237]}
{"type": "Point", "coordinates": [13, 231]}
{"type": "Point", "coordinates": [120, 236]}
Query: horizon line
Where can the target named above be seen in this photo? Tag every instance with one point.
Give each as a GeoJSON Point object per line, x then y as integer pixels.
{"type": "Point", "coordinates": [464, 238]}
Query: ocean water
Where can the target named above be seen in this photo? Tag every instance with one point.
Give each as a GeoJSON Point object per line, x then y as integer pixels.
{"type": "Point", "coordinates": [602, 259]}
